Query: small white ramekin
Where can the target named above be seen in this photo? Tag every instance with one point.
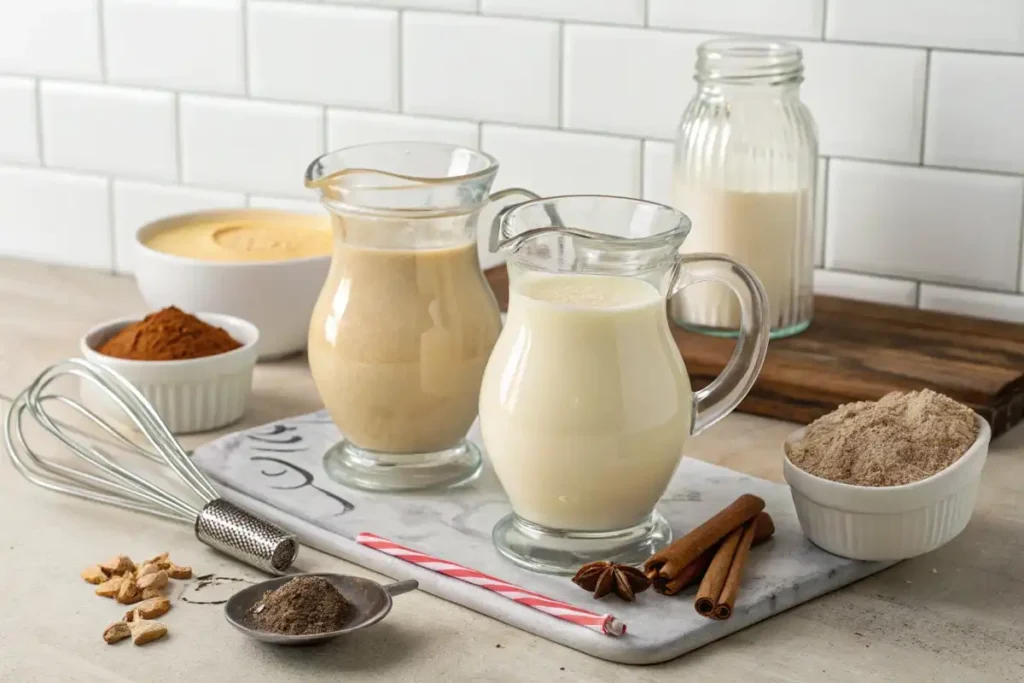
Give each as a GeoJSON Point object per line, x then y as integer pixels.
{"type": "Point", "coordinates": [888, 522]}
{"type": "Point", "coordinates": [193, 395]}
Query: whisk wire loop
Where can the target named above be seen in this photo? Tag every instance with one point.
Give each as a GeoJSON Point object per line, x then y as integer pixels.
{"type": "Point", "coordinates": [218, 523]}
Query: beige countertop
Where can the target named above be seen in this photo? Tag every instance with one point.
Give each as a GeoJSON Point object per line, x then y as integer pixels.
{"type": "Point", "coordinates": [954, 615]}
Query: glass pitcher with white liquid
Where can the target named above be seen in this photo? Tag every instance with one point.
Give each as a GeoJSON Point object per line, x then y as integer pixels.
{"type": "Point", "coordinates": [585, 403]}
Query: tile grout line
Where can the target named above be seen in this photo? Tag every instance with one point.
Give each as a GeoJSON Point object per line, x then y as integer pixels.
{"type": "Point", "coordinates": [324, 130]}
{"type": "Point", "coordinates": [101, 34]}
{"type": "Point", "coordinates": [112, 225]}
{"type": "Point", "coordinates": [824, 18]}
{"type": "Point", "coordinates": [101, 31]}
{"type": "Point", "coordinates": [245, 49]}
{"type": "Point", "coordinates": [643, 169]}
{"type": "Point", "coordinates": [924, 103]}
{"type": "Point", "coordinates": [562, 65]}
{"type": "Point", "coordinates": [1020, 253]}
{"type": "Point", "coordinates": [38, 94]}
{"type": "Point", "coordinates": [824, 209]}
{"type": "Point", "coordinates": [400, 59]}
{"type": "Point", "coordinates": [179, 142]}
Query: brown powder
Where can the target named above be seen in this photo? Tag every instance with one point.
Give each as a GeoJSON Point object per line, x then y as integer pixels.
{"type": "Point", "coordinates": [168, 334]}
{"type": "Point", "coordinates": [304, 605]}
{"type": "Point", "coordinates": [899, 439]}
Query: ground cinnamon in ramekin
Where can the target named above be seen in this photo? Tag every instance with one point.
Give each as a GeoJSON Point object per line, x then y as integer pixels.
{"type": "Point", "coordinates": [168, 334]}
{"type": "Point", "coordinates": [899, 439]}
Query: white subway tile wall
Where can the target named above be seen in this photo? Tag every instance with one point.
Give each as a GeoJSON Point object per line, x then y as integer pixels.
{"type": "Point", "coordinates": [323, 54]}
{"type": "Point", "coordinates": [58, 38]}
{"type": "Point", "coordinates": [983, 94]}
{"type": "Point", "coordinates": [880, 290]}
{"type": "Point", "coordinates": [347, 128]}
{"type": "Point", "coordinates": [924, 223]}
{"type": "Point", "coordinates": [55, 216]}
{"type": "Point", "coordinates": [183, 45]}
{"type": "Point", "coordinates": [609, 71]}
{"type": "Point", "coordinates": [248, 145]}
{"type": "Point", "coordinates": [987, 25]}
{"type": "Point", "coordinates": [127, 110]}
{"type": "Point", "coordinates": [796, 18]}
{"type": "Point", "coordinates": [599, 11]}
{"type": "Point", "coordinates": [657, 171]}
{"type": "Point", "coordinates": [109, 129]}
{"type": "Point", "coordinates": [868, 101]}
{"type": "Point", "coordinates": [19, 119]}
{"type": "Point", "coordinates": [972, 302]}
{"type": "Point", "coordinates": [554, 162]}
{"type": "Point", "coordinates": [480, 67]}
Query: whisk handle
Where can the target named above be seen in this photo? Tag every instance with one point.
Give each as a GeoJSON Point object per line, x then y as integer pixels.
{"type": "Point", "coordinates": [246, 537]}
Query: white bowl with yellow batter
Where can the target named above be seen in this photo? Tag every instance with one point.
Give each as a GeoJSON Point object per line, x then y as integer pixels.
{"type": "Point", "coordinates": [262, 265]}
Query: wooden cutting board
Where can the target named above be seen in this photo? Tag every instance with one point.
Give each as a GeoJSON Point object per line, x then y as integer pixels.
{"type": "Point", "coordinates": [857, 351]}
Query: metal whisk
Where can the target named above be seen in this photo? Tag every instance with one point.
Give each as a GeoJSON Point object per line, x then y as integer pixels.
{"type": "Point", "coordinates": [218, 523]}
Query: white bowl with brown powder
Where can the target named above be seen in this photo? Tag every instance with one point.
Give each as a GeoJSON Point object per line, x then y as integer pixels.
{"type": "Point", "coordinates": [887, 479]}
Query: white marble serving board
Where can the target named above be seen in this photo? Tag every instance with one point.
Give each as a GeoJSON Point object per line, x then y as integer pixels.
{"type": "Point", "coordinates": [276, 470]}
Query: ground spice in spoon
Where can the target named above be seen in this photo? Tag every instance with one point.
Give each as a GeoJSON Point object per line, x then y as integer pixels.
{"type": "Point", "coordinates": [303, 606]}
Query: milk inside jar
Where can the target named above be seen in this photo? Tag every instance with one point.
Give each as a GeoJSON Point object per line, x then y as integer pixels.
{"type": "Point", "coordinates": [585, 403]}
{"type": "Point", "coordinates": [586, 436]}
{"type": "Point", "coordinates": [745, 173]}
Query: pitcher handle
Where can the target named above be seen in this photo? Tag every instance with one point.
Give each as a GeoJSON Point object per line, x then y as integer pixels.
{"type": "Point", "coordinates": [719, 398]}
{"type": "Point", "coordinates": [494, 243]}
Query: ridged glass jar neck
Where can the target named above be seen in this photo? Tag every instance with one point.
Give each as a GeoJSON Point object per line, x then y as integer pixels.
{"type": "Point", "coordinates": [727, 64]}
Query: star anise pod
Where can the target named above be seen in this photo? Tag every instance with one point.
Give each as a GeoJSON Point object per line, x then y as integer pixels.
{"type": "Point", "coordinates": [607, 577]}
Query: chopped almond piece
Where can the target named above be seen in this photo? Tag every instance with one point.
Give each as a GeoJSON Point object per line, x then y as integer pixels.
{"type": "Point", "coordinates": [177, 572]}
{"type": "Point", "coordinates": [116, 631]}
{"type": "Point", "coordinates": [94, 574]}
{"type": "Point", "coordinates": [157, 579]}
{"type": "Point", "coordinates": [144, 631]}
{"type": "Point", "coordinates": [118, 565]}
{"type": "Point", "coordinates": [109, 588]}
{"type": "Point", "coordinates": [129, 591]}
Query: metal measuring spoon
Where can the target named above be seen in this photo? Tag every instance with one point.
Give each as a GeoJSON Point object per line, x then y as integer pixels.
{"type": "Point", "coordinates": [370, 602]}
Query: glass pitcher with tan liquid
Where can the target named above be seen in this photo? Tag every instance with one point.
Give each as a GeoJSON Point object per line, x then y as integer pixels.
{"type": "Point", "coordinates": [586, 403]}
{"type": "Point", "coordinates": [405, 322]}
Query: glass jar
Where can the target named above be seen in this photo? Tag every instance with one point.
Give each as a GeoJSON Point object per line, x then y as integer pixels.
{"type": "Point", "coordinates": [745, 173]}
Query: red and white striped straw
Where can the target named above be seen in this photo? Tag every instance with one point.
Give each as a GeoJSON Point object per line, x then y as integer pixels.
{"type": "Point", "coordinates": [602, 623]}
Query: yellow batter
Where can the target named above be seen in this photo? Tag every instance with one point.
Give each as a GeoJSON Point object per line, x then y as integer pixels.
{"type": "Point", "coordinates": [257, 238]}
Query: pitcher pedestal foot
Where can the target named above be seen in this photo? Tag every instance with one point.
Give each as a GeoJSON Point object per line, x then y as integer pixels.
{"type": "Point", "coordinates": [360, 468]}
{"type": "Point", "coordinates": [553, 551]}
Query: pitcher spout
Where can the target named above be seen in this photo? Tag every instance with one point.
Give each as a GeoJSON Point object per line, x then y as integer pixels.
{"type": "Point", "coordinates": [415, 177]}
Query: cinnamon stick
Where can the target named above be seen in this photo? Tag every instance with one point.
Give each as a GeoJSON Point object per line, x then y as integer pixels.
{"type": "Point", "coordinates": [717, 573]}
{"type": "Point", "coordinates": [669, 562]}
{"type": "Point", "coordinates": [692, 573]}
{"type": "Point", "coordinates": [731, 589]}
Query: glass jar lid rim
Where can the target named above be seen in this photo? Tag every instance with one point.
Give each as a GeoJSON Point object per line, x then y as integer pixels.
{"type": "Point", "coordinates": [749, 59]}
